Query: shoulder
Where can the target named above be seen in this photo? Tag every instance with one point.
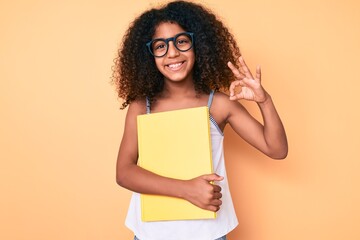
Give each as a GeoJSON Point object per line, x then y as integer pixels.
{"type": "Point", "coordinates": [137, 107]}
{"type": "Point", "coordinates": [220, 96]}
{"type": "Point", "coordinates": [223, 100]}
{"type": "Point", "coordinates": [222, 107]}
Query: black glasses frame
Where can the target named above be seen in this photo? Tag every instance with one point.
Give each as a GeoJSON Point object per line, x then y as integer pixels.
{"type": "Point", "coordinates": [167, 40]}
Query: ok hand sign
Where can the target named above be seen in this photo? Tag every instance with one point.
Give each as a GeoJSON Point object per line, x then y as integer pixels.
{"type": "Point", "coordinates": [251, 88]}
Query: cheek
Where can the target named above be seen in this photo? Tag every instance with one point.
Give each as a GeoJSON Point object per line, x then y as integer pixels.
{"type": "Point", "coordinates": [191, 56]}
{"type": "Point", "coordinates": [192, 59]}
{"type": "Point", "coordinates": [158, 63]}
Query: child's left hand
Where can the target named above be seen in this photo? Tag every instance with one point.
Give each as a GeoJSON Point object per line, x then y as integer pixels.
{"type": "Point", "coordinates": [251, 88]}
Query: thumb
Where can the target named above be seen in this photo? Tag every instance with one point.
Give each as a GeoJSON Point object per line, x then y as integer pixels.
{"type": "Point", "coordinates": [212, 177]}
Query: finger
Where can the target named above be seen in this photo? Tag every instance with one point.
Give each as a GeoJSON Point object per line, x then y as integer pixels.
{"type": "Point", "coordinates": [217, 195]}
{"type": "Point", "coordinates": [236, 72]}
{"type": "Point", "coordinates": [248, 82]}
{"type": "Point", "coordinates": [238, 96]}
{"type": "Point", "coordinates": [212, 177]}
{"type": "Point", "coordinates": [216, 203]}
{"type": "Point", "coordinates": [258, 73]}
{"type": "Point", "coordinates": [242, 82]}
{"type": "Point", "coordinates": [236, 83]}
{"type": "Point", "coordinates": [232, 87]}
{"type": "Point", "coordinates": [216, 188]}
{"type": "Point", "coordinates": [213, 208]}
{"type": "Point", "coordinates": [245, 67]}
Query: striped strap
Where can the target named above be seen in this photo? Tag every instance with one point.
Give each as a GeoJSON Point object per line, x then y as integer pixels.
{"type": "Point", "coordinates": [147, 105]}
{"type": "Point", "coordinates": [211, 96]}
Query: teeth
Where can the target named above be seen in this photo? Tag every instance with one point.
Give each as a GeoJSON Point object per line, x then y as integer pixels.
{"type": "Point", "coordinates": [174, 65]}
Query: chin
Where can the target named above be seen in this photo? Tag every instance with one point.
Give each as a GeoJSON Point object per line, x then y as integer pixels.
{"type": "Point", "coordinates": [177, 78]}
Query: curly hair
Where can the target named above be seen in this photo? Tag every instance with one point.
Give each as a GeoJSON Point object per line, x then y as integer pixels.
{"type": "Point", "coordinates": [135, 73]}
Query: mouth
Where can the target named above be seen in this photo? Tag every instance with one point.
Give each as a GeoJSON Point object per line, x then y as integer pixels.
{"type": "Point", "coordinates": [175, 66]}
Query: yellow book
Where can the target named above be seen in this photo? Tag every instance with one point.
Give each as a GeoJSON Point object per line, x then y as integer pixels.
{"type": "Point", "coordinates": [174, 144]}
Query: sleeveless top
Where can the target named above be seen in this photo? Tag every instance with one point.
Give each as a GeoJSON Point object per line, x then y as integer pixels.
{"type": "Point", "coordinates": [207, 229]}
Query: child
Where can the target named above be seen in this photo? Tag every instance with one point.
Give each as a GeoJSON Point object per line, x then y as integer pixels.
{"type": "Point", "coordinates": [176, 57]}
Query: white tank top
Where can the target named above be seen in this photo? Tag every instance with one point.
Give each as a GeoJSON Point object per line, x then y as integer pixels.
{"type": "Point", "coordinates": [208, 229]}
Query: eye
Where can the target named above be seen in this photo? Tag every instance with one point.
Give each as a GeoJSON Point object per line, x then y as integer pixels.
{"type": "Point", "coordinates": [182, 40]}
{"type": "Point", "coordinates": [159, 46]}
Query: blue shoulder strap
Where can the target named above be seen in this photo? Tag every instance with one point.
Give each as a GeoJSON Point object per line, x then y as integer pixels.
{"type": "Point", "coordinates": [147, 105]}
{"type": "Point", "coordinates": [211, 96]}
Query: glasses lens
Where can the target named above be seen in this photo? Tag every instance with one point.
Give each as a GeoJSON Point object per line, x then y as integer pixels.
{"type": "Point", "coordinates": [158, 48]}
{"type": "Point", "coordinates": [183, 42]}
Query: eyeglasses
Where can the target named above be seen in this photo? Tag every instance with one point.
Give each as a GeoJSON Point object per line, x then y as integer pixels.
{"type": "Point", "coordinates": [182, 41]}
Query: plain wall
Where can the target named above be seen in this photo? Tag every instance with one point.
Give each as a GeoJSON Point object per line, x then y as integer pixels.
{"type": "Point", "coordinates": [60, 123]}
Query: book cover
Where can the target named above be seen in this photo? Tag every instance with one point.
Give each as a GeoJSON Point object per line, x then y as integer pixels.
{"type": "Point", "coordinates": [174, 144]}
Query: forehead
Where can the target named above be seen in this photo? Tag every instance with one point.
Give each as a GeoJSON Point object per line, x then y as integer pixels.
{"type": "Point", "coordinates": [167, 29]}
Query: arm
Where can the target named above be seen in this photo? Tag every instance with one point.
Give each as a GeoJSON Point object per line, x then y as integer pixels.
{"type": "Point", "coordinates": [129, 175]}
{"type": "Point", "coordinates": [270, 138]}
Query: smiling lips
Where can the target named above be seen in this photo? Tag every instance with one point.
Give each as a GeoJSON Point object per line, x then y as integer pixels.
{"type": "Point", "coordinates": [175, 66]}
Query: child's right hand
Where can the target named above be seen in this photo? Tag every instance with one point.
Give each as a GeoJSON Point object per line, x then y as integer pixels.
{"type": "Point", "coordinates": [203, 193]}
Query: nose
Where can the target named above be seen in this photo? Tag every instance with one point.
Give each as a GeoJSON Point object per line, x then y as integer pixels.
{"type": "Point", "coordinates": [172, 50]}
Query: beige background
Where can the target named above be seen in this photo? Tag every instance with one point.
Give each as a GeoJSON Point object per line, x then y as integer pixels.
{"type": "Point", "coordinates": [60, 123]}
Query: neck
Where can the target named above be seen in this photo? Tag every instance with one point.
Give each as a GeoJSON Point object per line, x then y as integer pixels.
{"type": "Point", "coordinates": [177, 89]}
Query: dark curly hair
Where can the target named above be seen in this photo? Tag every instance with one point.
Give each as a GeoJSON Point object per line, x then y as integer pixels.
{"type": "Point", "coordinates": [135, 73]}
